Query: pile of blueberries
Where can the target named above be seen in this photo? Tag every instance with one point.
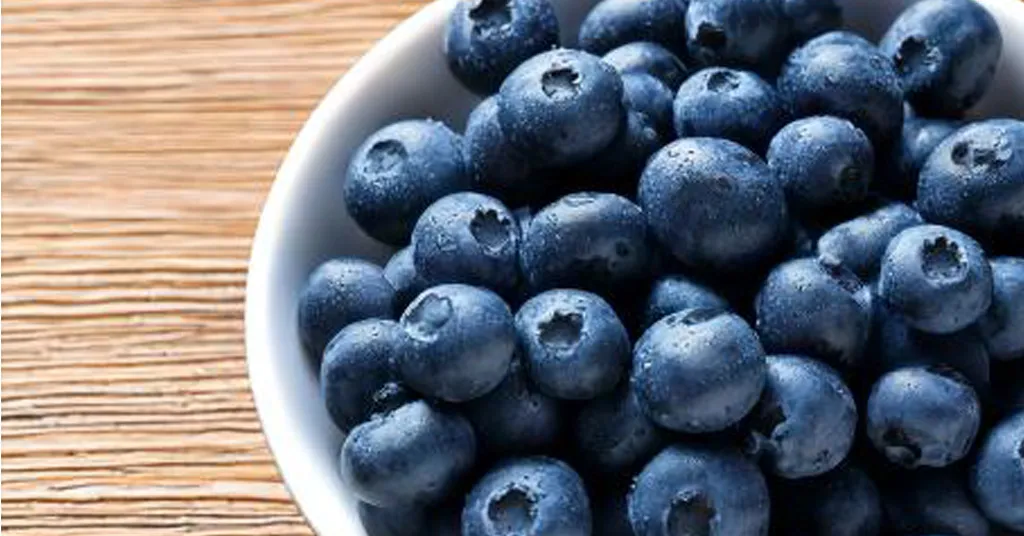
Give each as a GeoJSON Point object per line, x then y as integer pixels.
{"type": "Point", "coordinates": [723, 269]}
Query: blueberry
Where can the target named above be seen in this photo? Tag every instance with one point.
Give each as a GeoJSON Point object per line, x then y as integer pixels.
{"type": "Point", "coordinates": [414, 455]}
{"type": "Point", "coordinates": [750, 34]}
{"type": "Point", "coordinates": [536, 496]}
{"type": "Point", "coordinates": [1003, 324]}
{"type": "Point", "coordinates": [935, 277]}
{"type": "Point", "coordinates": [804, 423]}
{"type": "Point", "coordinates": [815, 306]}
{"type": "Point", "coordinates": [919, 138]}
{"type": "Point", "coordinates": [922, 417]}
{"type": "Point", "coordinates": [674, 293]}
{"type": "Point", "coordinates": [810, 18]}
{"type": "Point", "coordinates": [824, 163]}
{"type": "Point", "coordinates": [646, 94]}
{"type": "Point", "coordinates": [932, 502]}
{"type": "Point", "coordinates": [617, 169]}
{"type": "Point", "coordinates": [399, 171]}
{"type": "Point", "coordinates": [461, 342]}
{"type": "Point", "coordinates": [467, 238]}
{"type": "Point", "coordinates": [946, 52]}
{"type": "Point", "coordinates": [645, 57]}
{"type": "Point", "coordinates": [997, 478]}
{"type": "Point", "coordinates": [974, 181]}
{"type": "Point", "coordinates": [842, 37]}
{"type": "Point", "coordinates": [714, 205]}
{"type": "Point", "coordinates": [860, 243]}
{"type": "Point", "coordinates": [689, 489]}
{"type": "Point", "coordinates": [486, 39]}
{"type": "Point", "coordinates": [718, 102]}
{"type": "Point", "coordinates": [698, 370]}
{"type": "Point", "coordinates": [401, 272]}
{"type": "Point", "coordinates": [403, 520]}
{"type": "Point", "coordinates": [843, 502]}
{"type": "Point", "coordinates": [845, 77]}
{"type": "Point", "coordinates": [592, 241]}
{"type": "Point", "coordinates": [575, 346]}
{"type": "Point", "coordinates": [515, 417]}
{"type": "Point", "coordinates": [496, 166]}
{"type": "Point", "coordinates": [561, 107]}
{"type": "Point", "coordinates": [357, 376]}
{"type": "Point", "coordinates": [613, 23]}
{"type": "Point", "coordinates": [339, 292]}
{"type": "Point", "coordinates": [613, 435]}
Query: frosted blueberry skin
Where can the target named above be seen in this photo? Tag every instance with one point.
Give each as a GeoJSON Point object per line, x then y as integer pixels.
{"type": "Point", "coordinates": [339, 292]}
{"type": "Point", "coordinates": [674, 293]}
{"type": "Point", "coordinates": [515, 417]}
{"type": "Point", "coordinates": [415, 454]}
{"type": "Point", "coordinates": [468, 238]}
{"type": "Point", "coordinates": [486, 39]}
{"type": "Point", "coordinates": [613, 23]}
{"type": "Point", "coordinates": [698, 370]}
{"type": "Point", "coordinates": [843, 502]}
{"type": "Point", "coordinates": [647, 95]}
{"type": "Point", "coordinates": [974, 181]}
{"type": "Point", "coordinates": [646, 57]}
{"type": "Point", "coordinates": [538, 496]}
{"type": "Point", "coordinates": [922, 417]}
{"type": "Point", "coordinates": [497, 168]}
{"type": "Point", "coordinates": [936, 278]}
{"type": "Point", "coordinates": [805, 421]}
{"type": "Point", "coordinates": [946, 53]}
{"type": "Point", "coordinates": [997, 477]}
{"type": "Point", "coordinates": [920, 136]}
{"type": "Point", "coordinates": [561, 107]}
{"type": "Point", "coordinates": [401, 272]}
{"type": "Point", "coordinates": [747, 34]}
{"type": "Point", "coordinates": [1002, 327]}
{"type": "Point", "coordinates": [719, 102]}
{"type": "Point", "coordinates": [931, 502]}
{"type": "Point", "coordinates": [815, 307]}
{"type": "Point", "coordinates": [591, 241]}
{"type": "Point", "coordinates": [810, 18]}
{"type": "Point", "coordinates": [689, 489]}
{"type": "Point", "coordinates": [398, 172]}
{"type": "Point", "coordinates": [573, 343]}
{"type": "Point", "coordinates": [842, 76]}
{"type": "Point", "coordinates": [860, 243]}
{"type": "Point", "coordinates": [824, 163]}
{"type": "Point", "coordinates": [461, 341]}
{"type": "Point", "coordinates": [735, 216]}
{"type": "Point", "coordinates": [357, 377]}
{"type": "Point", "coordinates": [613, 435]}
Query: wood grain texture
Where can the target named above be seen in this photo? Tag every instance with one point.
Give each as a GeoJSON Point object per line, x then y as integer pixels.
{"type": "Point", "coordinates": [139, 141]}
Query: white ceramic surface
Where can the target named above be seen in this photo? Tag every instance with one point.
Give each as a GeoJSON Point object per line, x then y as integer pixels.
{"type": "Point", "coordinates": [304, 221]}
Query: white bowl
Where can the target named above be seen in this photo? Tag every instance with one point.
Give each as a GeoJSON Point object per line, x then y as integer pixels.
{"type": "Point", "coordinates": [304, 221]}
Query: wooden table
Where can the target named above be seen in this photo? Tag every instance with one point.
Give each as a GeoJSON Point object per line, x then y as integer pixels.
{"type": "Point", "coordinates": [139, 141]}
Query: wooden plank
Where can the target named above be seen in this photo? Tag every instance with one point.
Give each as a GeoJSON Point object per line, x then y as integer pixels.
{"type": "Point", "coordinates": [139, 142]}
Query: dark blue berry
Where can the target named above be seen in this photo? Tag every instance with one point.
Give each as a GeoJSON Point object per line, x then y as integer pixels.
{"type": "Point", "coordinates": [536, 496]}
{"type": "Point", "coordinates": [824, 163]}
{"type": "Point", "coordinates": [496, 166]}
{"type": "Point", "coordinates": [714, 205]}
{"type": "Point", "coordinates": [718, 102]}
{"type": "Point", "coordinates": [338, 293]}
{"type": "Point", "coordinates": [922, 417]}
{"type": "Point", "coordinates": [574, 345]}
{"type": "Point", "coordinates": [461, 341]}
{"type": "Point", "coordinates": [1003, 325]}
{"type": "Point", "coordinates": [860, 243]}
{"type": "Point", "coordinates": [843, 502]}
{"type": "Point", "coordinates": [415, 454]}
{"type": "Point", "coordinates": [486, 39]}
{"type": "Point", "coordinates": [645, 57]}
{"type": "Point", "coordinates": [614, 435]}
{"type": "Point", "coordinates": [406, 520]}
{"type": "Point", "coordinates": [561, 107]}
{"type": "Point", "coordinates": [699, 370]}
{"type": "Point", "coordinates": [401, 272]}
{"type": "Point", "coordinates": [617, 169]}
{"type": "Point", "coordinates": [749, 34]}
{"type": "Point", "coordinates": [613, 23]}
{"type": "Point", "coordinates": [398, 172]}
{"type": "Point", "coordinates": [674, 293]}
{"type": "Point", "coordinates": [936, 278]}
{"type": "Point", "coordinates": [997, 478]}
{"type": "Point", "coordinates": [946, 52]}
{"type": "Point", "coordinates": [919, 138]}
{"type": "Point", "coordinates": [689, 489]}
{"type": "Point", "coordinates": [931, 502]}
{"type": "Point", "coordinates": [646, 94]}
{"type": "Point", "coordinates": [810, 18]}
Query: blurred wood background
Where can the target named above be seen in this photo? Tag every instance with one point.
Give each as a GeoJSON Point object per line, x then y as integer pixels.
{"type": "Point", "coordinates": [139, 141]}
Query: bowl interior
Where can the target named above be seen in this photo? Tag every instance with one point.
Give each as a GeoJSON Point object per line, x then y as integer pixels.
{"type": "Point", "coordinates": [304, 221]}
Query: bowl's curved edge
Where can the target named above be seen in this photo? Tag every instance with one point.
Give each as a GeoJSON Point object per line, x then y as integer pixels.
{"type": "Point", "coordinates": [267, 393]}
